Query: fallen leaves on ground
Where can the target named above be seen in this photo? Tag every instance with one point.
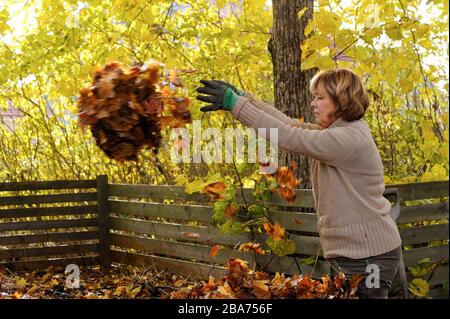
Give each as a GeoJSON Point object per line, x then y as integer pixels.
{"type": "Point", "coordinates": [128, 282]}
{"type": "Point", "coordinates": [240, 282]}
{"type": "Point", "coordinates": [125, 282]}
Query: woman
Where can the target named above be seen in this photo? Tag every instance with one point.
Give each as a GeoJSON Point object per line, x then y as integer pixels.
{"type": "Point", "coordinates": [356, 231]}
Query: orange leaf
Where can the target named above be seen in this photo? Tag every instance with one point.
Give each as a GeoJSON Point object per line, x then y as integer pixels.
{"type": "Point", "coordinates": [231, 210]}
{"type": "Point", "coordinates": [268, 228]}
{"type": "Point", "coordinates": [214, 250]}
{"type": "Point", "coordinates": [356, 279]}
{"type": "Point", "coordinates": [306, 282]}
{"type": "Point", "coordinates": [288, 194]}
{"type": "Point", "coordinates": [210, 285]}
{"type": "Point", "coordinates": [285, 177]}
{"type": "Point", "coordinates": [215, 190]}
{"type": "Point", "coordinates": [250, 246]}
{"type": "Point", "coordinates": [339, 280]}
{"type": "Point", "coordinates": [278, 232]}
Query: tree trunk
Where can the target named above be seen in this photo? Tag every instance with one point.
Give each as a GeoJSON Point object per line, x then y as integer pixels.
{"type": "Point", "coordinates": [292, 95]}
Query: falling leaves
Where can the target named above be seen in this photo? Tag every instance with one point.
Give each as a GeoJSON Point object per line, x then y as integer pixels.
{"type": "Point", "coordinates": [125, 108]}
{"type": "Point", "coordinates": [287, 182]}
{"type": "Point", "coordinates": [214, 250]}
{"type": "Point", "coordinates": [254, 247]}
{"type": "Point", "coordinates": [276, 230]}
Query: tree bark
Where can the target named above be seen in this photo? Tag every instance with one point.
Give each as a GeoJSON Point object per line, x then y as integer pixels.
{"type": "Point", "coordinates": [292, 95]}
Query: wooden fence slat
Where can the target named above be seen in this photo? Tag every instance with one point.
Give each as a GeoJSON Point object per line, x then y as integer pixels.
{"type": "Point", "coordinates": [297, 221]}
{"type": "Point", "coordinates": [48, 251]}
{"type": "Point", "coordinates": [436, 254]}
{"type": "Point", "coordinates": [306, 245]}
{"type": "Point", "coordinates": [172, 211]}
{"type": "Point", "coordinates": [290, 220]}
{"type": "Point", "coordinates": [418, 191]}
{"type": "Point", "coordinates": [32, 265]}
{"type": "Point", "coordinates": [49, 224]}
{"type": "Point", "coordinates": [440, 276]}
{"type": "Point", "coordinates": [49, 237]}
{"type": "Point", "coordinates": [438, 293]}
{"type": "Point", "coordinates": [411, 214]}
{"type": "Point", "coordinates": [424, 234]}
{"type": "Point", "coordinates": [50, 198]}
{"type": "Point", "coordinates": [177, 231]}
{"type": "Point", "coordinates": [48, 211]}
{"type": "Point", "coordinates": [181, 267]}
{"type": "Point", "coordinates": [304, 196]}
{"type": "Point", "coordinates": [47, 185]}
{"type": "Point", "coordinates": [172, 248]}
{"type": "Point", "coordinates": [199, 252]}
{"type": "Point", "coordinates": [103, 220]}
{"type": "Point", "coordinates": [155, 192]}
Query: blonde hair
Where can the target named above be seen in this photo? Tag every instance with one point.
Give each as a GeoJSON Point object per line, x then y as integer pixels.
{"type": "Point", "coordinates": [346, 90]}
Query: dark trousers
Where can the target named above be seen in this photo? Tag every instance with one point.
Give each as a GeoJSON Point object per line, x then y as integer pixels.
{"type": "Point", "coordinates": [378, 272]}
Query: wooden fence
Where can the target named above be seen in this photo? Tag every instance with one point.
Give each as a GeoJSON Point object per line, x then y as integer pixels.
{"type": "Point", "coordinates": [165, 227]}
{"type": "Point", "coordinates": [54, 223]}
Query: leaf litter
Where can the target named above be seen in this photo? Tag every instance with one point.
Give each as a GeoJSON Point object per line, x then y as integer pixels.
{"type": "Point", "coordinates": [130, 282]}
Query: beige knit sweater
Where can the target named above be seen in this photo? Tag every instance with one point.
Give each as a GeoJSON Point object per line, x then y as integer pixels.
{"type": "Point", "coordinates": [347, 175]}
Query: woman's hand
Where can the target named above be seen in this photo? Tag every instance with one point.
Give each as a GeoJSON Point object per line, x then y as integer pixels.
{"type": "Point", "coordinates": [220, 94]}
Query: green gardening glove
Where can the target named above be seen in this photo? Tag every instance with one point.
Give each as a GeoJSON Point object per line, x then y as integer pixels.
{"type": "Point", "coordinates": [235, 89]}
{"type": "Point", "coordinates": [219, 94]}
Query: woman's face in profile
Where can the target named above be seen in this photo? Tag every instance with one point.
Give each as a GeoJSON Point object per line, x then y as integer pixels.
{"type": "Point", "coordinates": [323, 107]}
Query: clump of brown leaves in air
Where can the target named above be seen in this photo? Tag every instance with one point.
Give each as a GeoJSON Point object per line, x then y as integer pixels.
{"type": "Point", "coordinates": [126, 109]}
{"type": "Point", "coordinates": [287, 182]}
{"type": "Point", "coordinates": [242, 283]}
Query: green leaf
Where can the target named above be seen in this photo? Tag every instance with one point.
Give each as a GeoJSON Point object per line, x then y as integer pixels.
{"type": "Point", "coordinates": [236, 228]}
{"type": "Point", "coordinates": [256, 211]}
{"type": "Point", "coordinates": [262, 192]}
{"type": "Point", "coordinates": [421, 268]}
{"type": "Point", "coordinates": [219, 211]}
{"type": "Point", "coordinates": [281, 247]}
{"type": "Point", "coordinates": [195, 186]}
{"type": "Point", "coordinates": [181, 180]}
{"type": "Point", "coordinates": [307, 261]}
{"type": "Point", "coordinates": [419, 287]}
